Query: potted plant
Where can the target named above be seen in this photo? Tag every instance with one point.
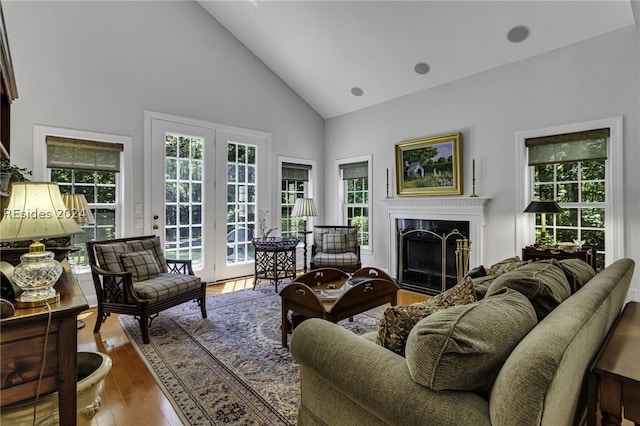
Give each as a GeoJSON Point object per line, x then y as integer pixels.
{"type": "Point", "coordinates": [11, 173]}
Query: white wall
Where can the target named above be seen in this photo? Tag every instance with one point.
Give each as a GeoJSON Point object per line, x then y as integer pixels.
{"type": "Point", "coordinates": [97, 66]}
{"type": "Point", "coordinates": [595, 79]}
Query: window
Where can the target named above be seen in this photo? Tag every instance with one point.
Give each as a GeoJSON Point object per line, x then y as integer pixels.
{"type": "Point", "coordinates": [295, 184]}
{"type": "Point", "coordinates": [90, 168]}
{"type": "Point", "coordinates": [355, 178]}
{"type": "Point", "coordinates": [241, 201]}
{"type": "Point", "coordinates": [571, 168]}
{"type": "Point", "coordinates": [183, 197]}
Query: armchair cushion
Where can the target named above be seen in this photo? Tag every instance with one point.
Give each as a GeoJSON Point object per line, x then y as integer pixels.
{"type": "Point", "coordinates": [108, 255]}
{"type": "Point", "coordinates": [339, 260]}
{"type": "Point", "coordinates": [334, 242]}
{"type": "Point", "coordinates": [142, 264]}
{"type": "Point", "coordinates": [166, 286]}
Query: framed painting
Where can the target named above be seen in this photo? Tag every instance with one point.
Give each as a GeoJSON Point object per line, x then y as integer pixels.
{"type": "Point", "coordinates": [430, 166]}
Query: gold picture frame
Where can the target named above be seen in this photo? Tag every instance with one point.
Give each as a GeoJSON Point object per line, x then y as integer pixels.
{"type": "Point", "coordinates": [430, 166]}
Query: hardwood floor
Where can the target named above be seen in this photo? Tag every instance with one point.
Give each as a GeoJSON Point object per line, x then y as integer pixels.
{"type": "Point", "coordinates": [130, 394]}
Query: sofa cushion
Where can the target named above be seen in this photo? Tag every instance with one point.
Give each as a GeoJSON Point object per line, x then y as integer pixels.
{"type": "Point", "coordinates": [464, 347]}
{"type": "Point", "coordinates": [397, 321]}
{"type": "Point", "coordinates": [142, 264]}
{"type": "Point", "coordinates": [333, 242]}
{"type": "Point", "coordinates": [543, 283]}
{"type": "Point", "coordinates": [577, 271]}
{"type": "Point", "coordinates": [482, 284]}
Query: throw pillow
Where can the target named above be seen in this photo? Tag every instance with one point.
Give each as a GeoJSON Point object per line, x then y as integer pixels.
{"type": "Point", "coordinates": [578, 272]}
{"type": "Point", "coordinates": [464, 347]}
{"type": "Point", "coordinates": [482, 284]}
{"type": "Point", "coordinates": [505, 265]}
{"type": "Point", "coordinates": [477, 272]}
{"type": "Point", "coordinates": [142, 264]}
{"type": "Point", "coordinates": [397, 321]}
{"type": "Point", "coordinates": [334, 243]}
{"type": "Point", "coordinates": [543, 283]}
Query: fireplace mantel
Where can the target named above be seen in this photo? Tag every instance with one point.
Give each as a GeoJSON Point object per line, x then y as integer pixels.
{"type": "Point", "coordinates": [469, 209]}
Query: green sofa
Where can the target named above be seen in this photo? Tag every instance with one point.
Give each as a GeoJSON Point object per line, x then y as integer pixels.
{"type": "Point", "coordinates": [350, 380]}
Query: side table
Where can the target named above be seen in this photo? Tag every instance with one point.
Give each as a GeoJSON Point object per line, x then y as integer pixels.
{"type": "Point", "coordinates": [534, 253]}
{"type": "Point", "coordinates": [275, 259]}
{"type": "Point", "coordinates": [614, 378]}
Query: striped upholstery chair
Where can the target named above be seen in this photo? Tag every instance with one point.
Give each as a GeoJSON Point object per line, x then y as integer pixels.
{"type": "Point", "coordinates": [132, 276]}
{"type": "Point", "coordinates": [335, 247]}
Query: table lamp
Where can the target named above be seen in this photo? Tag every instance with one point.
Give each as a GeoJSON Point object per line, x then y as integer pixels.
{"type": "Point", "coordinates": [543, 207]}
{"type": "Point", "coordinates": [36, 211]}
{"type": "Point", "coordinates": [304, 207]}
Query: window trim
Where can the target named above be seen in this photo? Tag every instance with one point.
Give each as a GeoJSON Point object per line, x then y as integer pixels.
{"type": "Point", "coordinates": [125, 206]}
{"type": "Point", "coordinates": [614, 203]}
{"type": "Point", "coordinates": [341, 207]}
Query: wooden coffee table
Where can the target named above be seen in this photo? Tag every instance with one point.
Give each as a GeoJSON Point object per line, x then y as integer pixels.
{"type": "Point", "coordinates": [303, 299]}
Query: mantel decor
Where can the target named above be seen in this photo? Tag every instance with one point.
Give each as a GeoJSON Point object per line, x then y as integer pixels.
{"type": "Point", "coordinates": [430, 166]}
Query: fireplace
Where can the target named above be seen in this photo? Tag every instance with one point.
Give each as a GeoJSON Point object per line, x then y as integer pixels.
{"type": "Point", "coordinates": [431, 253]}
{"type": "Point", "coordinates": [426, 211]}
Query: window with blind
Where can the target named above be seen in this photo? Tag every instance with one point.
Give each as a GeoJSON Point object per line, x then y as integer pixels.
{"type": "Point", "coordinates": [571, 168]}
{"type": "Point", "coordinates": [355, 178]}
{"type": "Point", "coordinates": [90, 168]}
{"type": "Point", "coordinates": [294, 184]}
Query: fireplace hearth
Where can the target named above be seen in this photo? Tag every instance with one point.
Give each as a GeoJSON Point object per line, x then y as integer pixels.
{"type": "Point", "coordinates": [430, 253]}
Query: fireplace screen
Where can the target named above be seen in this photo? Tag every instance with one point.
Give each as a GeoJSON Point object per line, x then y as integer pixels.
{"type": "Point", "coordinates": [432, 255]}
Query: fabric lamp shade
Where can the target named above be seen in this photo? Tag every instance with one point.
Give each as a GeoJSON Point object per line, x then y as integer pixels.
{"type": "Point", "coordinates": [304, 207]}
{"type": "Point", "coordinates": [78, 207]}
{"type": "Point", "coordinates": [35, 211]}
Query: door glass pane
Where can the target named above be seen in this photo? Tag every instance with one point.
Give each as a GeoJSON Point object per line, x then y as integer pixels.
{"type": "Point", "coordinates": [183, 197]}
{"type": "Point", "coordinates": [241, 200]}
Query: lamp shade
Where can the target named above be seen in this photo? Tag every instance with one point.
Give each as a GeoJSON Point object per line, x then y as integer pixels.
{"type": "Point", "coordinates": [304, 207]}
{"type": "Point", "coordinates": [543, 207]}
{"type": "Point", "coordinates": [78, 208]}
{"type": "Point", "coordinates": [35, 211]}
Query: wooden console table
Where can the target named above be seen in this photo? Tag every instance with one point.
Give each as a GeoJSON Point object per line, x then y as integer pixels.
{"type": "Point", "coordinates": [534, 253]}
{"type": "Point", "coordinates": [22, 343]}
{"type": "Point", "coordinates": [614, 379]}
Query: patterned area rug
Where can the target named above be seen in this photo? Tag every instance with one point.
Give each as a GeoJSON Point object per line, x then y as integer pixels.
{"type": "Point", "coordinates": [229, 368]}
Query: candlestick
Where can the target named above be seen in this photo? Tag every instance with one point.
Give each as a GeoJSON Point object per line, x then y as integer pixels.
{"type": "Point", "coordinates": [473, 174]}
{"type": "Point", "coordinates": [387, 182]}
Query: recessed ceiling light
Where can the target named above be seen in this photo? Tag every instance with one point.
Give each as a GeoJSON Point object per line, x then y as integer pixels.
{"type": "Point", "coordinates": [518, 34]}
{"type": "Point", "coordinates": [422, 68]}
{"type": "Point", "coordinates": [356, 91]}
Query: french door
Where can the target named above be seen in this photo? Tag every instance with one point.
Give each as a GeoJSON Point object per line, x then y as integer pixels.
{"type": "Point", "coordinates": [204, 190]}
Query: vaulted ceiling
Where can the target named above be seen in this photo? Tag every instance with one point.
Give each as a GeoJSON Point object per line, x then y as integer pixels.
{"type": "Point", "coordinates": [342, 56]}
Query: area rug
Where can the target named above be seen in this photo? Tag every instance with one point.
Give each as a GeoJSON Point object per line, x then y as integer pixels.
{"type": "Point", "coordinates": [230, 368]}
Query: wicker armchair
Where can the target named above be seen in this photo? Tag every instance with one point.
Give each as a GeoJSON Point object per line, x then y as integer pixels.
{"type": "Point", "coordinates": [335, 247]}
{"type": "Point", "coordinates": [131, 276]}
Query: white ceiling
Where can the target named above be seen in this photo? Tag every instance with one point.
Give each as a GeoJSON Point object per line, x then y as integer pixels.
{"type": "Point", "coordinates": [322, 49]}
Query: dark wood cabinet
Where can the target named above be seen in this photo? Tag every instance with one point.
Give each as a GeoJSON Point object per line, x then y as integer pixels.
{"type": "Point", "coordinates": [22, 345]}
{"type": "Point", "coordinates": [537, 253]}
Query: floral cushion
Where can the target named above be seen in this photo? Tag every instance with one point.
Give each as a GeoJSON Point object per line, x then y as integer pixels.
{"type": "Point", "coordinates": [506, 265]}
{"type": "Point", "coordinates": [334, 243]}
{"type": "Point", "coordinates": [142, 264]}
{"type": "Point", "coordinates": [397, 321]}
